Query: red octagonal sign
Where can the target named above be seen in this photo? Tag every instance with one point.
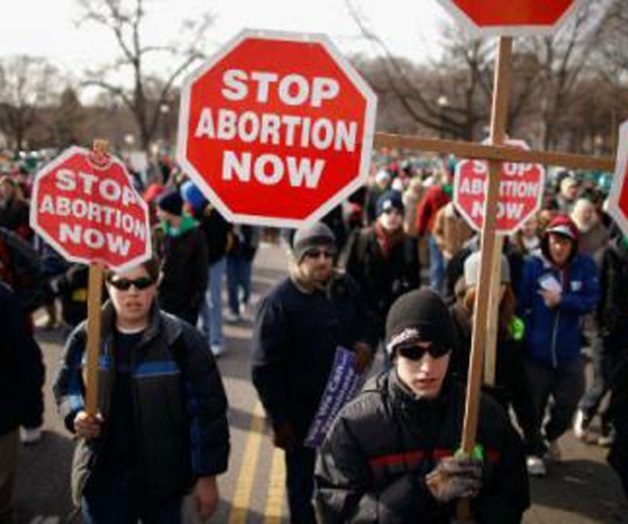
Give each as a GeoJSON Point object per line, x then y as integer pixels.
{"type": "Point", "coordinates": [511, 17]}
{"type": "Point", "coordinates": [276, 129]}
{"type": "Point", "coordinates": [90, 212]}
{"type": "Point", "coordinates": [520, 192]}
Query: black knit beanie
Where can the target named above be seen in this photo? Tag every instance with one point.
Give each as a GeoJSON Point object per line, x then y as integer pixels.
{"type": "Point", "coordinates": [171, 201]}
{"type": "Point", "coordinates": [419, 316]}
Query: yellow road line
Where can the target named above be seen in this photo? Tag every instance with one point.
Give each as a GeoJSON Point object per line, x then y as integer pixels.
{"type": "Point", "coordinates": [246, 476]}
{"type": "Point", "coordinates": [276, 489]}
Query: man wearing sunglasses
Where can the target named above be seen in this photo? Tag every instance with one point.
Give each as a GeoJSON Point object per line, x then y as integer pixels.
{"type": "Point", "coordinates": [298, 327]}
{"type": "Point", "coordinates": [391, 454]}
{"type": "Point", "coordinates": [161, 431]}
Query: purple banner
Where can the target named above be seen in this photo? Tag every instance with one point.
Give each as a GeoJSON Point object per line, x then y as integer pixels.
{"type": "Point", "coordinates": [343, 384]}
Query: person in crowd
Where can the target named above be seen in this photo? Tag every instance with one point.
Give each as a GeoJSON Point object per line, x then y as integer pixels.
{"type": "Point", "coordinates": [181, 246]}
{"type": "Point", "coordinates": [450, 232]}
{"type": "Point", "coordinates": [382, 182]}
{"type": "Point", "coordinates": [527, 239]}
{"type": "Point", "coordinates": [455, 268]}
{"type": "Point", "coordinates": [21, 268]}
{"type": "Point", "coordinates": [14, 208]}
{"type": "Point", "coordinates": [391, 454]}
{"type": "Point", "coordinates": [297, 328]}
{"type": "Point", "coordinates": [382, 259]}
{"type": "Point", "coordinates": [558, 288]}
{"type": "Point", "coordinates": [71, 287]}
{"type": "Point", "coordinates": [436, 197]}
{"type": "Point", "coordinates": [150, 195]}
{"type": "Point", "coordinates": [593, 235]}
{"type": "Point", "coordinates": [21, 402]}
{"type": "Point", "coordinates": [411, 198]}
{"type": "Point", "coordinates": [160, 431]}
{"type": "Point", "coordinates": [511, 386]}
{"type": "Point", "coordinates": [618, 411]}
{"type": "Point", "coordinates": [239, 270]}
{"type": "Point", "coordinates": [218, 237]}
{"type": "Point", "coordinates": [611, 344]}
{"type": "Point", "coordinates": [335, 221]}
{"type": "Point", "coordinates": [52, 266]}
{"type": "Point", "coordinates": [565, 198]}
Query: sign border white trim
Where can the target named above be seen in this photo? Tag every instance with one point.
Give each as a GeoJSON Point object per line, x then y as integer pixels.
{"type": "Point", "coordinates": [59, 248]}
{"type": "Point", "coordinates": [513, 30]}
{"type": "Point", "coordinates": [367, 137]}
{"type": "Point", "coordinates": [620, 179]}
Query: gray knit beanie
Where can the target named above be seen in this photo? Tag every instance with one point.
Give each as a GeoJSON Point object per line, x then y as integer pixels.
{"type": "Point", "coordinates": [472, 270]}
{"type": "Point", "coordinates": [312, 237]}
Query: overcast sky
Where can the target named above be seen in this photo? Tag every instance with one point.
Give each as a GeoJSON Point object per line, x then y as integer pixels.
{"type": "Point", "coordinates": [48, 27]}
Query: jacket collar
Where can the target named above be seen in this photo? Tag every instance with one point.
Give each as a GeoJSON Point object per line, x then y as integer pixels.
{"type": "Point", "coordinates": [159, 323]}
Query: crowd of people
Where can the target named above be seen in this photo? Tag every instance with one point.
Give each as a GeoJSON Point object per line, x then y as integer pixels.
{"type": "Point", "coordinates": [354, 281]}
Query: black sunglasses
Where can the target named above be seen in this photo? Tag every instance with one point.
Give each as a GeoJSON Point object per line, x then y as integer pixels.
{"type": "Point", "coordinates": [414, 352]}
{"type": "Point", "coordinates": [124, 284]}
{"type": "Point", "coordinates": [315, 253]}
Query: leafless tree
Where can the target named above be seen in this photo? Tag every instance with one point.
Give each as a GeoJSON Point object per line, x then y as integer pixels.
{"type": "Point", "coordinates": [26, 84]}
{"type": "Point", "coordinates": [452, 96]}
{"type": "Point", "coordinates": [126, 20]}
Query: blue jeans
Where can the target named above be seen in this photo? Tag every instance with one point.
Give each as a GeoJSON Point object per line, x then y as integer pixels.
{"type": "Point", "coordinates": [437, 266]}
{"type": "Point", "coordinates": [238, 278]}
{"type": "Point", "coordinates": [300, 484]}
{"type": "Point", "coordinates": [109, 497]}
{"type": "Point", "coordinates": [211, 310]}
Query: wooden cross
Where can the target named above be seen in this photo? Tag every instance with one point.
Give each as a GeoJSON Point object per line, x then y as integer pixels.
{"type": "Point", "coordinates": [484, 330]}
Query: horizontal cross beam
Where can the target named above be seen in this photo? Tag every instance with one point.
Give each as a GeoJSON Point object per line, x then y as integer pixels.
{"type": "Point", "coordinates": [501, 153]}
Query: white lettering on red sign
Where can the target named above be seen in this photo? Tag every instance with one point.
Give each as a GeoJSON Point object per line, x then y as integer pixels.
{"type": "Point", "coordinates": [520, 193]}
{"type": "Point", "coordinates": [103, 213]}
{"type": "Point", "coordinates": [316, 134]}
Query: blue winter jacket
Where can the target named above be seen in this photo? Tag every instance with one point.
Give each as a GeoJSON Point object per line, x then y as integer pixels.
{"type": "Point", "coordinates": [553, 335]}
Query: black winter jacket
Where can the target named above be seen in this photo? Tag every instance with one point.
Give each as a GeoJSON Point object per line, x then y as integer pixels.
{"type": "Point", "coordinates": [382, 280]}
{"type": "Point", "coordinates": [295, 337]}
{"type": "Point", "coordinates": [180, 406]}
{"type": "Point", "coordinates": [372, 464]}
{"type": "Point", "coordinates": [184, 272]}
{"type": "Point", "coordinates": [21, 367]}
{"type": "Point", "coordinates": [612, 310]}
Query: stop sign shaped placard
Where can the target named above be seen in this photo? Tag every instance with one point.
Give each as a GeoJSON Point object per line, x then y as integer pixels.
{"type": "Point", "coordinates": [618, 197]}
{"type": "Point", "coordinates": [276, 129]}
{"type": "Point", "coordinates": [90, 212]}
{"type": "Point", "coordinates": [511, 17]}
{"type": "Point", "coordinates": [520, 192]}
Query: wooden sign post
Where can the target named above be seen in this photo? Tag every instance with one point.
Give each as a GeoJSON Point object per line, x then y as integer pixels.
{"type": "Point", "coordinates": [100, 150]}
{"type": "Point", "coordinates": [94, 299]}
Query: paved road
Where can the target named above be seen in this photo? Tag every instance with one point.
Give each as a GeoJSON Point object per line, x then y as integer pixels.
{"type": "Point", "coordinates": [581, 490]}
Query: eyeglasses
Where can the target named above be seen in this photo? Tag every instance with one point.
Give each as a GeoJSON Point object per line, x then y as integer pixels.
{"type": "Point", "coordinates": [124, 284]}
{"type": "Point", "coordinates": [316, 253]}
{"type": "Point", "coordinates": [414, 352]}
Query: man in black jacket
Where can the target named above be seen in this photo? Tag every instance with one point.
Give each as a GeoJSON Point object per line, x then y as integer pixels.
{"type": "Point", "coordinates": [382, 259]}
{"type": "Point", "coordinates": [391, 456]}
{"type": "Point", "coordinates": [21, 380]}
{"type": "Point", "coordinates": [297, 329]}
{"type": "Point", "coordinates": [161, 430]}
{"type": "Point", "coordinates": [181, 245]}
